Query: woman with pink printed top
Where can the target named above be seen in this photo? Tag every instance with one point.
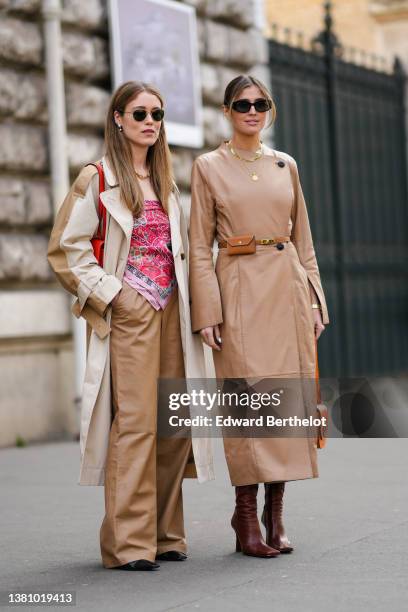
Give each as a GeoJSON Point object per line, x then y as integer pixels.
{"type": "Point", "coordinates": [137, 309]}
{"type": "Point", "coordinates": [150, 264]}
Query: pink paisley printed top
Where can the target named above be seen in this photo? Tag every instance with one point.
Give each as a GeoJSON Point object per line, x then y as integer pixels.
{"type": "Point", "coordinates": [150, 264]}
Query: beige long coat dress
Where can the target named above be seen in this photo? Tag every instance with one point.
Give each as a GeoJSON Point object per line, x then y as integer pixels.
{"type": "Point", "coordinates": [71, 256]}
{"type": "Point", "coordinates": [263, 300]}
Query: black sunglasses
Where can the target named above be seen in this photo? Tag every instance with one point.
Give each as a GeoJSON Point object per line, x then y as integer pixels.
{"type": "Point", "coordinates": [261, 105]}
{"type": "Point", "coordinates": [140, 114]}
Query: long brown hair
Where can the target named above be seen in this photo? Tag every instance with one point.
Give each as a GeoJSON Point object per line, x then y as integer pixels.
{"type": "Point", "coordinates": [242, 81]}
{"type": "Point", "coordinates": [119, 153]}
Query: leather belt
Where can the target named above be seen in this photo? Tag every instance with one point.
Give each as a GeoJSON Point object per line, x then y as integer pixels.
{"type": "Point", "coordinates": [265, 241]}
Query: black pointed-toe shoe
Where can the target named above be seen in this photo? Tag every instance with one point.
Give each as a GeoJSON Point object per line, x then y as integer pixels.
{"type": "Point", "coordinates": [172, 555]}
{"type": "Point", "coordinates": [141, 565]}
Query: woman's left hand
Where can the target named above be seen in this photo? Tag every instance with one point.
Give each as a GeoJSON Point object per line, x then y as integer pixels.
{"type": "Point", "coordinates": [319, 327]}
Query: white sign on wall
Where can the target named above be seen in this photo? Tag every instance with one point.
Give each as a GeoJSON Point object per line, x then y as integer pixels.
{"type": "Point", "coordinates": [156, 41]}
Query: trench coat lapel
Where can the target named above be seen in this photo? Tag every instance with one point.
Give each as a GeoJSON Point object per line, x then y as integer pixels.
{"type": "Point", "coordinates": [118, 210]}
{"type": "Point", "coordinates": [112, 202]}
{"type": "Point", "coordinates": [174, 220]}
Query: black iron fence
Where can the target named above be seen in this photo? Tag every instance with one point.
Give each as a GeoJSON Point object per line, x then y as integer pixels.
{"type": "Point", "coordinates": [344, 124]}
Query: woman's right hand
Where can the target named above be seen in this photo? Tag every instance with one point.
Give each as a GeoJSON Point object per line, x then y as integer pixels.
{"type": "Point", "coordinates": [212, 337]}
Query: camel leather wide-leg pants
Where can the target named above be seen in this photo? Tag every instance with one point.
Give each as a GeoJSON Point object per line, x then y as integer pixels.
{"type": "Point", "coordinates": [144, 473]}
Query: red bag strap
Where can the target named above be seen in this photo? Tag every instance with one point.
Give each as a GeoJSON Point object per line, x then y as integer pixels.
{"type": "Point", "coordinates": [101, 208]}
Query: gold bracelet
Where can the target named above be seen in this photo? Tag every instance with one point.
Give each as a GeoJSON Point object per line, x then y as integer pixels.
{"type": "Point", "coordinates": [316, 306]}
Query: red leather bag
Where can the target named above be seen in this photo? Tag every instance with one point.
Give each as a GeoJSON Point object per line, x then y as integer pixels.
{"type": "Point", "coordinates": [98, 241]}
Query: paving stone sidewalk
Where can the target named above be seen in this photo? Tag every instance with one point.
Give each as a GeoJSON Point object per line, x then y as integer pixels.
{"type": "Point", "coordinates": [349, 527]}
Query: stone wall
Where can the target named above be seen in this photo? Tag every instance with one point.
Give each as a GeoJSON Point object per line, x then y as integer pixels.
{"type": "Point", "coordinates": [36, 360]}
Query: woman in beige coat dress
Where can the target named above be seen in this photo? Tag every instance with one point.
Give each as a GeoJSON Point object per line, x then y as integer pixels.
{"type": "Point", "coordinates": [137, 309]}
{"type": "Point", "coordinates": [261, 312]}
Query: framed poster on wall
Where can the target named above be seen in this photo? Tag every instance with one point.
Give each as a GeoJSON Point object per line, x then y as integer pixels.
{"type": "Point", "coordinates": [156, 41]}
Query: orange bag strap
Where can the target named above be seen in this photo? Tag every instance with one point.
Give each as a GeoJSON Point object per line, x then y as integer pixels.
{"type": "Point", "coordinates": [321, 437]}
{"type": "Point", "coordinates": [318, 394]}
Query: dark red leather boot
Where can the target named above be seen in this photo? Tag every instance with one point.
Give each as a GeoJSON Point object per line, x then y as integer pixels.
{"type": "Point", "coordinates": [272, 517]}
{"type": "Point", "coordinates": [245, 523]}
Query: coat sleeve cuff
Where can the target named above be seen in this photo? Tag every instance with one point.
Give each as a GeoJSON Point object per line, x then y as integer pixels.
{"type": "Point", "coordinates": [320, 295]}
{"type": "Point", "coordinates": [104, 292]}
{"type": "Point", "coordinates": [200, 322]}
{"type": "Point", "coordinates": [83, 292]}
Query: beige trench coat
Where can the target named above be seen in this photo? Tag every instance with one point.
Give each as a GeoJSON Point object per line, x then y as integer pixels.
{"type": "Point", "coordinates": [71, 256]}
{"type": "Point", "coordinates": [263, 300]}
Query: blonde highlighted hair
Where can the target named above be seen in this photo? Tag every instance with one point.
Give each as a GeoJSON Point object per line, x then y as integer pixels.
{"type": "Point", "coordinates": [119, 154]}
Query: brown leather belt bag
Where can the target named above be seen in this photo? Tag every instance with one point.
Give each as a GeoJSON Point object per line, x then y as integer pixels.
{"type": "Point", "coordinates": [245, 244]}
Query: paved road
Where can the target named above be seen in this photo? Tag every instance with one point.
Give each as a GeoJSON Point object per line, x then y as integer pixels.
{"type": "Point", "coordinates": [350, 529]}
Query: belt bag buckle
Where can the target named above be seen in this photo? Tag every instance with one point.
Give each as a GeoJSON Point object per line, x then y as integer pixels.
{"type": "Point", "coordinates": [241, 245]}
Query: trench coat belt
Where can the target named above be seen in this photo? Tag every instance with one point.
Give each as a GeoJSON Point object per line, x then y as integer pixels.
{"type": "Point", "coordinates": [265, 241]}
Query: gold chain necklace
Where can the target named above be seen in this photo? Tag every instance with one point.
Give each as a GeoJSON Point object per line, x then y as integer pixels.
{"type": "Point", "coordinates": [258, 155]}
{"type": "Point", "coordinates": [141, 176]}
